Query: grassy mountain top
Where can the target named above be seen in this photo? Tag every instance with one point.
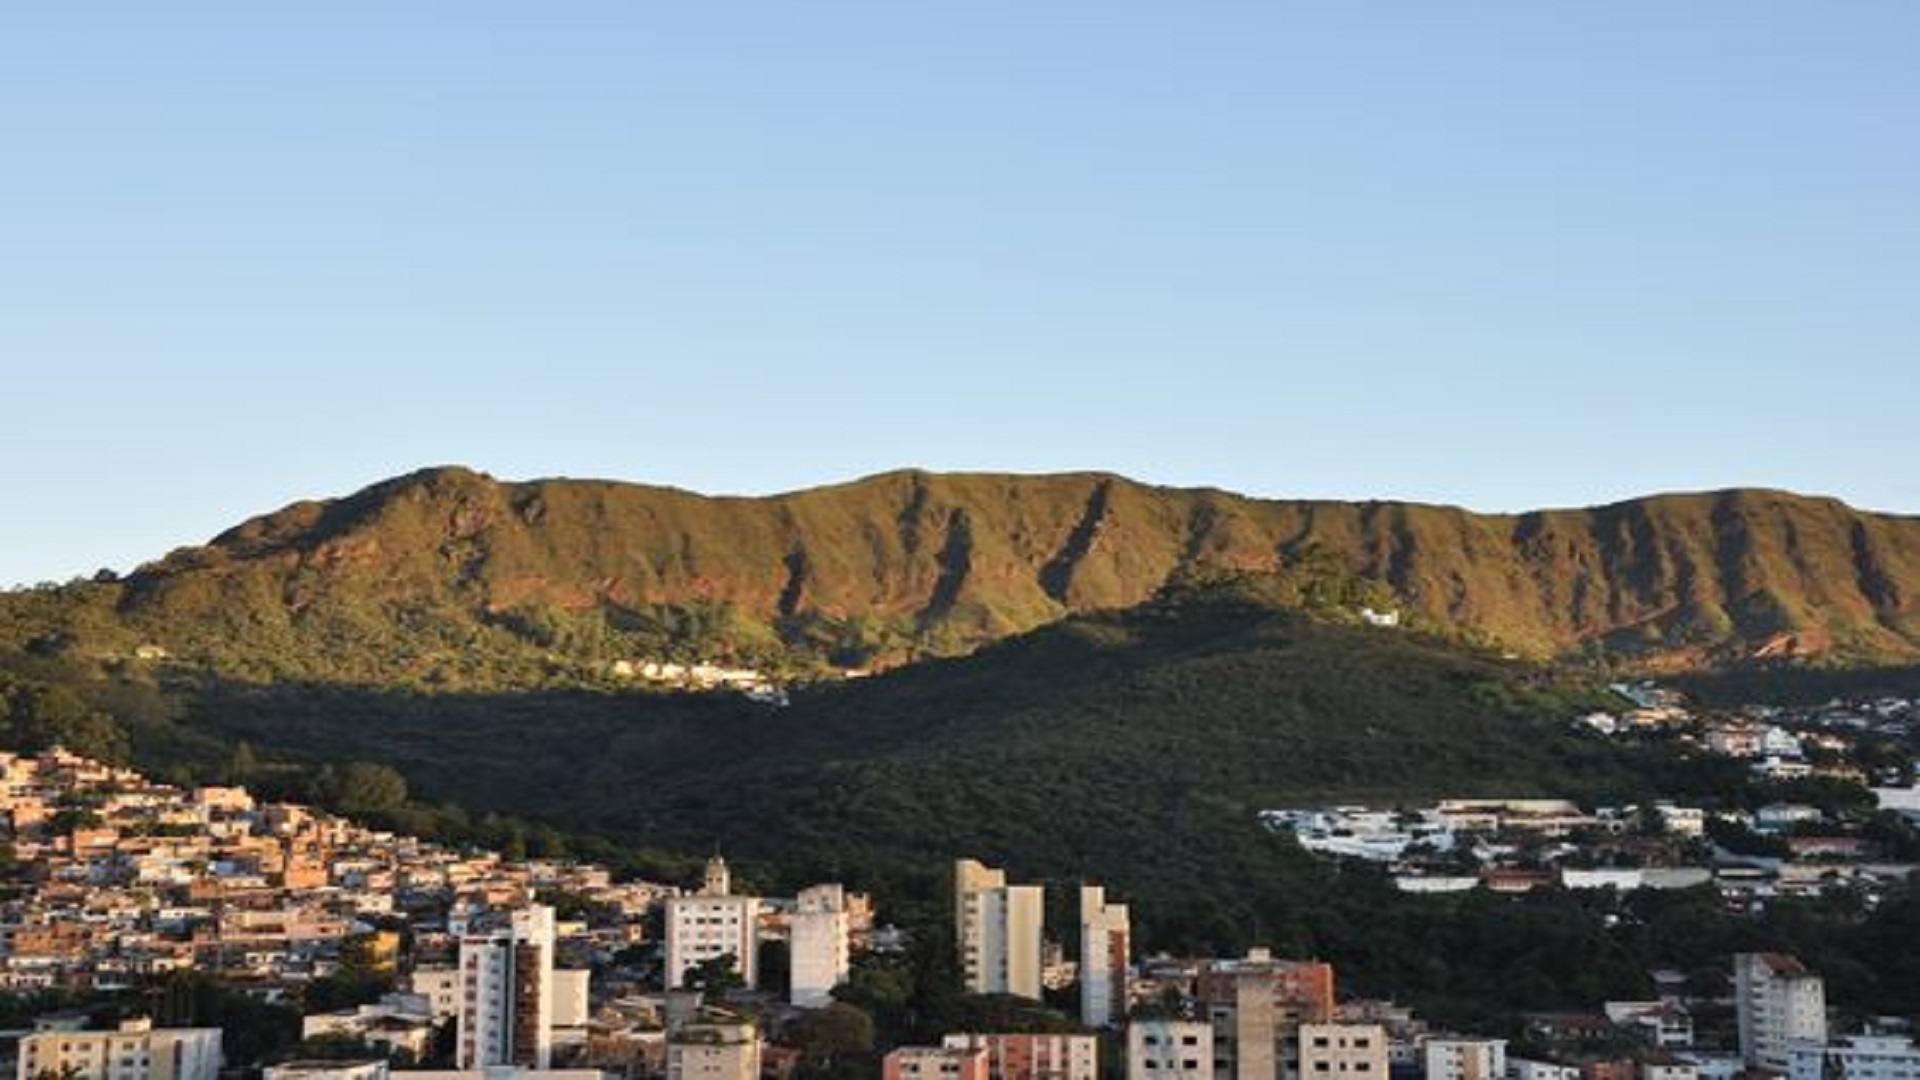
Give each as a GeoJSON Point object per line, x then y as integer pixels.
{"type": "Point", "coordinates": [447, 577]}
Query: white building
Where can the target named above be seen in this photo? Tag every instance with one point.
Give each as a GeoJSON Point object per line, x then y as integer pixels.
{"type": "Point", "coordinates": [818, 942]}
{"type": "Point", "coordinates": [713, 924]}
{"type": "Point", "coordinates": [1169, 1050]}
{"type": "Point", "coordinates": [506, 993]}
{"type": "Point", "coordinates": [1104, 956]}
{"type": "Point", "coordinates": [136, 1050]}
{"type": "Point", "coordinates": [1778, 1002]}
{"type": "Point", "coordinates": [1465, 1059]}
{"type": "Point", "coordinates": [997, 928]}
{"type": "Point", "coordinates": [1856, 1057]}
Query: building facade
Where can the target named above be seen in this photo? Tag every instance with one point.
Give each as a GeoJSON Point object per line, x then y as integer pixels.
{"type": "Point", "coordinates": [1034, 1056]}
{"type": "Point", "coordinates": [997, 928]}
{"type": "Point", "coordinates": [1778, 1002]}
{"type": "Point", "coordinates": [818, 940]}
{"type": "Point", "coordinates": [1169, 1050]}
{"type": "Point", "coordinates": [136, 1050]}
{"type": "Point", "coordinates": [1465, 1059]}
{"type": "Point", "coordinates": [935, 1063]}
{"type": "Point", "coordinates": [1104, 957]}
{"type": "Point", "coordinates": [506, 993]}
{"type": "Point", "coordinates": [713, 924]}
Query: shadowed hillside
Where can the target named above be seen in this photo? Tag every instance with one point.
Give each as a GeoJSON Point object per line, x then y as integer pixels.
{"type": "Point", "coordinates": [448, 576]}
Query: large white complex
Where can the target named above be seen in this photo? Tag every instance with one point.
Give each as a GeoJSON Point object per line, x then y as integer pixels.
{"type": "Point", "coordinates": [1103, 958]}
{"type": "Point", "coordinates": [818, 940]}
{"type": "Point", "coordinates": [135, 1051]}
{"type": "Point", "coordinates": [711, 925]}
{"type": "Point", "coordinates": [506, 993]}
{"type": "Point", "coordinates": [997, 927]}
{"type": "Point", "coordinates": [1779, 1002]}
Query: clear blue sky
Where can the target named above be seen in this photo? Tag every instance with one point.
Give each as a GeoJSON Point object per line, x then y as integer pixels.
{"type": "Point", "coordinates": [1499, 254]}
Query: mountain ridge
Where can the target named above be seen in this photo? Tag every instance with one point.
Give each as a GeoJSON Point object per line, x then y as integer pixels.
{"type": "Point", "coordinates": [910, 562]}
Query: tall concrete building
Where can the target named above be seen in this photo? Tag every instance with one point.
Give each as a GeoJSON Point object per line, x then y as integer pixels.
{"type": "Point", "coordinates": [818, 941]}
{"type": "Point", "coordinates": [1256, 1005]}
{"type": "Point", "coordinates": [997, 929]}
{"type": "Point", "coordinates": [712, 924]}
{"type": "Point", "coordinates": [1778, 1002]}
{"type": "Point", "coordinates": [136, 1050]}
{"type": "Point", "coordinates": [506, 993]}
{"type": "Point", "coordinates": [1104, 956]}
{"type": "Point", "coordinates": [1166, 1049]}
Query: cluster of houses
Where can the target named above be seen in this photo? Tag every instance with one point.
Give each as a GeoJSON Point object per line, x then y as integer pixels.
{"type": "Point", "coordinates": [1515, 845]}
{"type": "Point", "coordinates": [118, 881]}
{"type": "Point", "coordinates": [1777, 742]}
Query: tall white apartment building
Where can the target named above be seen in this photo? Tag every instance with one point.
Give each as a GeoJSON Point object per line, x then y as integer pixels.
{"type": "Point", "coordinates": [1465, 1059]}
{"type": "Point", "coordinates": [711, 925]}
{"type": "Point", "coordinates": [1170, 1050]}
{"type": "Point", "coordinates": [1343, 1052]}
{"type": "Point", "coordinates": [997, 928]}
{"type": "Point", "coordinates": [1778, 1002]}
{"type": "Point", "coordinates": [506, 993]}
{"type": "Point", "coordinates": [136, 1050]}
{"type": "Point", "coordinates": [817, 938]}
{"type": "Point", "coordinates": [1104, 956]}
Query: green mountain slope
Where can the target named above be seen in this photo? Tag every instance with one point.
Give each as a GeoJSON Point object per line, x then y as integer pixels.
{"type": "Point", "coordinates": [447, 576]}
{"type": "Point", "coordinates": [1134, 746]}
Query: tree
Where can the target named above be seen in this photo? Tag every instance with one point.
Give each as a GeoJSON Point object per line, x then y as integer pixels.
{"type": "Point", "coordinates": [833, 1032]}
{"type": "Point", "coordinates": [363, 786]}
{"type": "Point", "coordinates": [244, 764]}
{"type": "Point", "coordinates": [715, 976]}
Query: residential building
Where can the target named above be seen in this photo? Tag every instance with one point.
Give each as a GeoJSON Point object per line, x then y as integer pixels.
{"type": "Point", "coordinates": [1465, 1059]}
{"type": "Point", "coordinates": [997, 928]}
{"type": "Point", "coordinates": [1034, 1056]}
{"type": "Point", "coordinates": [1256, 1004]}
{"type": "Point", "coordinates": [1169, 1050]}
{"type": "Point", "coordinates": [506, 992]}
{"type": "Point", "coordinates": [1531, 1069]}
{"type": "Point", "coordinates": [1856, 1057]}
{"type": "Point", "coordinates": [714, 1050]}
{"type": "Point", "coordinates": [1778, 1002]}
{"type": "Point", "coordinates": [1333, 1051]}
{"type": "Point", "coordinates": [711, 925]}
{"type": "Point", "coordinates": [1104, 956]}
{"type": "Point", "coordinates": [818, 943]}
{"type": "Point", "coordinates": [936, 1063]}
{"type": "Point", "coordinates": [136, 1050]}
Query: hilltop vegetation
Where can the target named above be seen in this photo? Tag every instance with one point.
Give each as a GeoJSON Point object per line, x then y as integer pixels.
{"type": "Point", "coordinates": [450, 579]}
